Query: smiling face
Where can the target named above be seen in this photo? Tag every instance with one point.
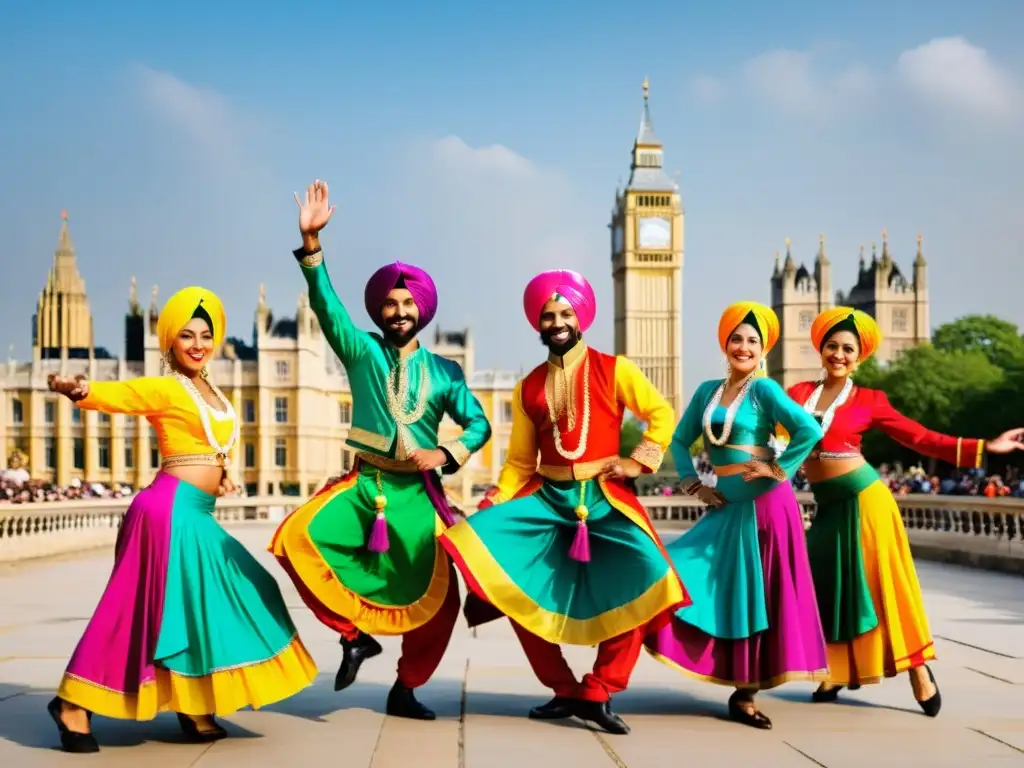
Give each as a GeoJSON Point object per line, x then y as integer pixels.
{"type": "Point", "coordinates": [744, 349]}
{"type": "Point", "coordinates": [840, 353]}
{"type": "Point", "coordinates": [401, 316]}
{"type": "Point", "coordinates": [193, 346]}
{"type": "Point", "coordinates": [559, 327]}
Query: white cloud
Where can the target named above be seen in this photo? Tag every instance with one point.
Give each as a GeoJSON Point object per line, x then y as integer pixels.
{"type": "Point", "coordinates": [203, 113]}
{"type": "Point", "coordinates": [952, 73]}
{"type": "Point", "coordinates": [791, 82]}
{"type": "Point", "coordinates": [483, 220]}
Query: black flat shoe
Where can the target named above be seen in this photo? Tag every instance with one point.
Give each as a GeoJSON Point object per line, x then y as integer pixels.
{"type": "Point", "coordinates": [559, 708]}
{"type": "Point", "coordinates": [402, 703]}
{"type": "Point", "coordinates": [600, 714]}
{"type": "Point", "coordinates": [824, 695]}
{"type": "Point", "coordinates": [71, 741]}
{"type": "Point", "coordinates": [931, 706]}
{"type": "Point", "coordinates": [355, 653]}
{"type": "Point", "coordinates": [196, 736]}
{"type": "Point", "coordinates": [756, 719]}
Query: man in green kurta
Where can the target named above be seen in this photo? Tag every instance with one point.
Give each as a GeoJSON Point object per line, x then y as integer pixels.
{"type": "Point", "coordinates": [363, 552]}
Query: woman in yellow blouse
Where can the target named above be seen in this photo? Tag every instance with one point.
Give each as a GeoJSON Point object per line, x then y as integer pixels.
{"type": "Point", "coordinates": [189, 621]}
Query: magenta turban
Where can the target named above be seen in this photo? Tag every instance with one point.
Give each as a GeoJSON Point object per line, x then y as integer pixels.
{"type": "Point", "coordinates": [396, 275]}
{"type": "Point", "coordinates": [569, 286]}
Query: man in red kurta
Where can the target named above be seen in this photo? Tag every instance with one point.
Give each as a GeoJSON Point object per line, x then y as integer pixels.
{"type": "Point", "coordinates": [561, 546]}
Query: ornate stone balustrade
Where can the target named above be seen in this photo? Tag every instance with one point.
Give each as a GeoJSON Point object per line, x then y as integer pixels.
{"type": "Point", "coordinates": [55, 528]}
{"type": "Point", "coordinates": [969, 530]}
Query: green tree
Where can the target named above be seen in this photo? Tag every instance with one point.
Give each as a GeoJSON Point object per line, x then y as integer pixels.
{"type": "Point", "coordinates": [1000, 341]}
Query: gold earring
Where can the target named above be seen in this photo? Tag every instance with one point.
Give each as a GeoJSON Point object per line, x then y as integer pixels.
{"type": "Point", "coordinates": [204, 374]}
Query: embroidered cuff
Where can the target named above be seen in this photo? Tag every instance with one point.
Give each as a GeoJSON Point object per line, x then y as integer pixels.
{"type": "Point", "coordinates": [307, 259]}
{"type": "Point", "coordinates": [457, 450]}
{"type": "Point", "coordinates": [649, 455]}
{"type": "Point", "coordinates": [980, 454]}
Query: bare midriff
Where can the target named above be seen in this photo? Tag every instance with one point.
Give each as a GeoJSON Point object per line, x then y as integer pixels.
{"type": "Point", "coordinates": [757, 452]}
{"type": "Point", "coordinates": [820, 470]}
{"type": "Point", "coordinates": [204, 477]}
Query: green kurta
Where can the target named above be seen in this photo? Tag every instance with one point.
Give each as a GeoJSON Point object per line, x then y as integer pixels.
{"type": "Point", "coordinates": [324, 543]}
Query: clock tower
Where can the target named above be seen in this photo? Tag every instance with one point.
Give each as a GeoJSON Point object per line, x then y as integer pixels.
{"type": "Point", "coordinates": [647, 266]}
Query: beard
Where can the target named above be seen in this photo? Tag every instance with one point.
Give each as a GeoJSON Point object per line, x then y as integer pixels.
{"type": "Point", "coordinates": [560, 348]}
{"type": "Point", "coordinates": [399, 338]}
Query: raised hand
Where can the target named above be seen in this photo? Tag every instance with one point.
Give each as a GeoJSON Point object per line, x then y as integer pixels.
{"type": "Point", "coordinates": [74, 389]}
{"type": "Point", "coordinates": [316, 211]}
{"type": "Point", "coordinates": [1008, 442]}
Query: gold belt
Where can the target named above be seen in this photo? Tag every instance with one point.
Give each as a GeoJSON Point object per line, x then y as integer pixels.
{"type": "Point", "coordinates": [402, 466]}
{"type": "Point", "coordinates": [585, 470]}
{"type": "Point", "coordinates": [194, 460]}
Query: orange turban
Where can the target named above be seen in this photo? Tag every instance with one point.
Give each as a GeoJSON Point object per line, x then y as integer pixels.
{"type": "Point", "coordinates": [847, 319]}
{"type": "Point", "coordinates": [758, 315]}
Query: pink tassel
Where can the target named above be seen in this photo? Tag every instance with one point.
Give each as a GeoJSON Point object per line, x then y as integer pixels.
{"type": "Point", "coordinates": [580, 549]}
{"type": "Point", "coordinates": [378, 541]}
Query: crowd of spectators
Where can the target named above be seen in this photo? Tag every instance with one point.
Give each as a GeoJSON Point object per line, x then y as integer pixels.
{"type": "Point", "coordinates": [972, 482]}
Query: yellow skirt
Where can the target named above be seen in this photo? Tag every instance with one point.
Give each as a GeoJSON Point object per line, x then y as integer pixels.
{"type": "Point", "coordinates": [900, 638]}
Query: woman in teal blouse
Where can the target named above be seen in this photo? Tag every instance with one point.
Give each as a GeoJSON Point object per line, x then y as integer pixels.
{"type": "Point", "coordinates": [754, 620]}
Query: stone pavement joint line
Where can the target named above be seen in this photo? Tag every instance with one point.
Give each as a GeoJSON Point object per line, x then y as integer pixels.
{"type": "Point", "coordinates": [484, 688]}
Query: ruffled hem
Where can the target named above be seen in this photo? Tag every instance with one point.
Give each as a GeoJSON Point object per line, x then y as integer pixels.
{"type": "Point", "coordinates": [220, 693]}
{"type": "Point", "coordinates": [301, 559]}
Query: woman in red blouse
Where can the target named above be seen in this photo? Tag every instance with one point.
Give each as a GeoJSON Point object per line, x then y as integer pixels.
{"type": "Point", "coordinates": [864, 576]}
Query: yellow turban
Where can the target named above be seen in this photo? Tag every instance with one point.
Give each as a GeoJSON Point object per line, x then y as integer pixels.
{"type": "Point", "coordinates": [182, 307]}
{"type": "Point", "coordinates": [847, 319]}
{"type": "Point", "coordinates": [758, 315]}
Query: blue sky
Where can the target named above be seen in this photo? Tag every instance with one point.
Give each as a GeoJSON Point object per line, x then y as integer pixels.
{"type": "Point", "coordinates": [484, 142]}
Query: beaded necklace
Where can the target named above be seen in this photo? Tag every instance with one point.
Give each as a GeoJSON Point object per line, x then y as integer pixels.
{"type": "Point", "coordinates": [812, 403]}
{"type": "Point", "coordinates": [730, 414]}
{"type": "Point", "coordinates": [556, 433]}
{"type": "Point", "coordinates": [205, 409]}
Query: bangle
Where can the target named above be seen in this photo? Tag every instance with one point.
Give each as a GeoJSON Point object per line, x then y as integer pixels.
{"type": "Point", "coordinates": [693, 488]}
{"type": "Point", "coordinates": [777, 472]}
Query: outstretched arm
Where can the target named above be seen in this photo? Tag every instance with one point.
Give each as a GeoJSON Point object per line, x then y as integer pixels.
{"type": "Point", "coordinates": [635, 391]}
{"type": "Point", "coordinates": [958, 451]}
{"type": "Point", "coordinates": [464, 408]}
{"type": "Point", "coordinates": [137, 397]}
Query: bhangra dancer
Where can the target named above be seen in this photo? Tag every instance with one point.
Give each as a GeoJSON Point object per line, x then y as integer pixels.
{"type": "Point", "coordinates": [564, 549]}
{"type": "Point", "coordinates": [754, 623]}
{"type": "Point", "coordinates": [867, 588]}
{"type": "Point", "coordinates": [363, 552]}
{"type": "Point", "coordinates": [189, 621]}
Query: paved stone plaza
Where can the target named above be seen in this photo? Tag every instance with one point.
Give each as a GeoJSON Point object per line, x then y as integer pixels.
{"type": "Point", "coordinates": [484, 688]}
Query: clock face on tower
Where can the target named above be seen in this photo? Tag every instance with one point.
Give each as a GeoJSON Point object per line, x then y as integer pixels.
{"type": "Point", "coordinates": [654, 232]}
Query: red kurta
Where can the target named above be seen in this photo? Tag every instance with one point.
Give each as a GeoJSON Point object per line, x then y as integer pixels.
{"type": "Point", "coordinates": [870, 409]}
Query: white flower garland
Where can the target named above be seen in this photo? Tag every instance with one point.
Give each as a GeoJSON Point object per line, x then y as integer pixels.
{"type": "Point", "coordinates": [730, 414]}
{"type": "Point", "coordinates": [205, 409]}
{"type": "Point", "coordinates": [812, 403]}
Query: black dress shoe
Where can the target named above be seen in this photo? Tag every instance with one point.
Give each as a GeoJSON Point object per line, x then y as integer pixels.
{"type": "Point", "coordinates": [71, 741]}
{"type": "Point", "coordinates": [196, 736]}
{"type": "Point", "coordinates": [600, 713]}
{"type": "Point", "coordinates": [822, 695]}
{"type": "Point", "coordinates": [356, 652]}
{"type": "Point", "coordinates": [402, 703]}
{"type": "Point", "coordinates": [932, 705]}
{"type": "Point", "coordinates": [756, 719]}
{"type": "Point", "coordinates": [558, 708]}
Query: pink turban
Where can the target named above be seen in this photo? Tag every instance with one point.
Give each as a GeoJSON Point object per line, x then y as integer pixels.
{"type": "Point", "coordinates": [396, 275]}
{"type": "Point", "coordinates": [566, 285]}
